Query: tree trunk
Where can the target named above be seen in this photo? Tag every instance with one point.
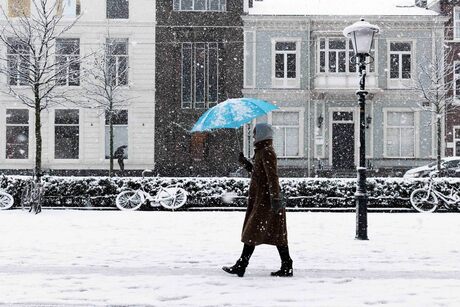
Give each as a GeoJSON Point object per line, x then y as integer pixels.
{"type": "Point", "coordinates": [111, 142]}
{"type": "Point", "coordinates": [439, 137]}
{"type": "Point", "coordinates": [38, 139]}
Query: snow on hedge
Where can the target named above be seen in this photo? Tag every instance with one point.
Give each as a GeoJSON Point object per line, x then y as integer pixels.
{"type": "Point", "coordinates": [224, 191]}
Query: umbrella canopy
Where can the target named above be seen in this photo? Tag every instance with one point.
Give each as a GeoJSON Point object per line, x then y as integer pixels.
{"type": "Point", "coordinates": [233, 113]}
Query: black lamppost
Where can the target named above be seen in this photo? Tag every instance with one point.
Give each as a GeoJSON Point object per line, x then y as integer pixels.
{"type": "Point", "coordinates": [361, 34]}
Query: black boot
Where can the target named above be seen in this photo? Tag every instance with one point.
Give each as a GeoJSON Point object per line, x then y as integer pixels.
{"type": "Point", "coordinates": [240, 266]}
{"type": "Point", "coordinates": [286, 263]}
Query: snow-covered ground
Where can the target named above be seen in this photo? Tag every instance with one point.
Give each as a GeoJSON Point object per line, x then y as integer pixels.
{"type": "Point", "coordinates": [175, 258]}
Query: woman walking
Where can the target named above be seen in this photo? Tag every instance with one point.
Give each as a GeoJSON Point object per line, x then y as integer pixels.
{"type": "Point", "coordinates": [265, 220]}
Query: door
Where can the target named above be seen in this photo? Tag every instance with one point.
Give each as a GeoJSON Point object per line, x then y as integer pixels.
{"type": "Point", "coordinates": [343, 140]}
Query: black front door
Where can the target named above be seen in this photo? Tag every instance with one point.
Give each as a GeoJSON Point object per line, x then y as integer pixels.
{"type": "Point", "coordinates": [343, 142]}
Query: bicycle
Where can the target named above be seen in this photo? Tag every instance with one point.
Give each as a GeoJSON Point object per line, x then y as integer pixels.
{"type": "Point", "coordinates": [427, 200]}
{"type": "Point", "coordinates": [6, 200]}
{"type": "Point", "coordinates": [171, 197]}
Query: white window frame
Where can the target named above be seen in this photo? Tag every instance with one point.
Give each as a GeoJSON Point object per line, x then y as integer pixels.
{"type": "Point", "coordinates": [400, 82]}
{"type": "Point", "coordinates": [17, 57]}
{"type": "Point", "coordinates": [29, 125]}
{"type": "Point", "coordinates": [194, 104]}
{"type": "Point", "coordinates": [75, 58]}
{"type": "Point", "coordinates": [117, 60]}
{"type": "Point", "coordinates": [456, 21]}
{"type": "Point", "coordinates": [286, 82]}
{"type": "Point", "coordinates": [301, 113]}
{"type": "Point", "coordinates": [53, 133]}
{"type": "Point", "coordinates": [177, 6]}
{"type": "Point", "coordinates": [115, 125]}
{"type": "Point", "coordinates": [348, 49]}
{"type": "Point", "coordinates": [68, 8]}
{"type": "Point", "coordinates": [456, 80]}
{"type": "Point", "coordinates": [416, 131]}
{"type": "Point", "coordinates": [455, 140]}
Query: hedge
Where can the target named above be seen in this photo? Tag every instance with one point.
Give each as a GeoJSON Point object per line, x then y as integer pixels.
{"type": "Point", "coordinates": [97, 192]}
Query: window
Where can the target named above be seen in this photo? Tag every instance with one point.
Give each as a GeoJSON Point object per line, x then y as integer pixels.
{"type": "Point", "coordinates": [456, 22]}
{"type": "Point", "coordinates": [457, 141]}
{"type": "Point", "coordinates": [400, 134]}
{"type": "Point", "coordinates": [120, 131]}
{"type": "Point", "coordinates": [286, 64]}
{"type": "Point", "coordinates": [335, 55]}
{"type": "Point", "coordinates": [117, 9]}
{"type": "Point", "coordinates": [457, 81]}
{"type": "Point", "coordinates": [400, 60]}
{"type": "Point", "coordinates": [18, 8]}
{"type": "Point", "coordinates": [200, 75]}
{"type": "Point", "coordinates": [68, 61]}
{"type": "Point", "coordinates": [66, 134]}
{"type": "Point", "coordinates": [68, 8]}
{"type": "Point", "coordinates": [18, 55]}
{"type": "Point", "coordinates": [17, 134]}
{"type": "Point", "coordinates": [198, 146]}
{"type": "Point", "coordinates": [200, 5]}
{"type": "Point", "coordinates": [286, 139]}
{"type": "Point", "coordinates": [117, 61]}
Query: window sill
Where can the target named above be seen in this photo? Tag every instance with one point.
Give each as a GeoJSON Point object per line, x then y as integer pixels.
{"type": "Point", "coordinates": [200, 11]}
{"type": "Point", "coordinates": [344, 74]}
{"type": "Point", "coordinates": [66, 161]}
{"type": "Point", "coordinates": [290, 157]}
{"type": "Point", "coordinates": [19, 86]}
{"type": "Point", "coordinates": [121, 20]}
{"type": "Point", "coordinates": [405, 158]}
{"type": "Point", "coordinates": [22, 161]}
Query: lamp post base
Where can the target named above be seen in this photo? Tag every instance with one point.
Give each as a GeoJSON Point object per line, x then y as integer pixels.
{"type": "Point", "coordinates": [361, 216]}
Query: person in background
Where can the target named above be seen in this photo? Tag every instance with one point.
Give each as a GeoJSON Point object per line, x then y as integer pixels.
{"type": "Point", "coordinates": [265, 220]}
{"type": "Point", "coordinates": [120, 154]}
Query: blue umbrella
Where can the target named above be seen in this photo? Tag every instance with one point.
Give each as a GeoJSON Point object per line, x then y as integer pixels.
{"type": "Point", "coordinates": [232, 113]}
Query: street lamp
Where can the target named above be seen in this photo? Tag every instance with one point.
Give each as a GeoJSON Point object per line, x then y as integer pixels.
{"type": "Point", "coordinates": [361, 34]}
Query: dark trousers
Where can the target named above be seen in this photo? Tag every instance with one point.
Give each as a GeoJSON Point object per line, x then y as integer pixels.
{"type": "Point", "coordinates": [122, 164]}
{"type": "Point", "coordinates": [249, 249]}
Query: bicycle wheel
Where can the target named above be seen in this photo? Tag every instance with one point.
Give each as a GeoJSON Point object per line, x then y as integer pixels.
{"type": "Point", "coordinates": [6, 201]}
{"type": "Point", "coordinates": [172, 198]}
{"type": "Point", "coordinates": [422, 201]}
{"type": "Point", "coordinates": [129, 200]}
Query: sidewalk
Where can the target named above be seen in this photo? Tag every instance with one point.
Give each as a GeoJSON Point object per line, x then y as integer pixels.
{"type": "Point", "coordinates": [174, 259]}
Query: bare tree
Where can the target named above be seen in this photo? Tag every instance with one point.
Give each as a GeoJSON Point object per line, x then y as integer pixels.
{"type": "Point", "coordinates": [106, 79]}
{"type": "Point", "coordinates": [34, 73]}
{"type": "Point", "coordinates": [435, 84]}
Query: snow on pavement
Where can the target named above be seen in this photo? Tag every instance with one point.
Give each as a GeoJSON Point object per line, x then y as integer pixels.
{"type": "Point", "coordinates": [175, 258]}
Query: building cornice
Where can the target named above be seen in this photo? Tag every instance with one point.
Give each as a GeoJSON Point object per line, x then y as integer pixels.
{"type": "Point", "coordinates": [339, 21]}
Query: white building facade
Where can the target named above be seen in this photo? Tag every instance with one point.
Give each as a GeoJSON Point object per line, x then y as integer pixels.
{"type": "Point", "coordinates": [75, 136]}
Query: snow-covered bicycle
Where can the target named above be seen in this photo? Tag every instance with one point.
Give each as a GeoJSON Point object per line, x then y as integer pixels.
{"type": "Point", "coordinates": [171, 197]}
{"type": "Point", "coordinates": [429, 198]}
{"type": "Point", "coordinates": [6, 200]}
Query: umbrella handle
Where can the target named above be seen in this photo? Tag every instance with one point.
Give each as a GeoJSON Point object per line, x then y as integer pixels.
{"type": "Point", "coordinates": [238, 140]}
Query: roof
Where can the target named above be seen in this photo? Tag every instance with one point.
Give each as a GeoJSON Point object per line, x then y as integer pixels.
{"type": "Point", "coordinates": [339, 7]}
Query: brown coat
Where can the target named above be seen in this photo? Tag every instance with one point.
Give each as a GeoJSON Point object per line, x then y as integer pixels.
{"type": "Point", "coordinates": [261, 224]}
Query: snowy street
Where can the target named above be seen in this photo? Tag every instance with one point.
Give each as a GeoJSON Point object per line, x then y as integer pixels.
{"type": "Point", "coordinates": [175, 259]}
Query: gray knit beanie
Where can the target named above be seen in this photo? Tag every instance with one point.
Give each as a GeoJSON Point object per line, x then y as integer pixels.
{"type": "Point", "coordinates": [263, 131]}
